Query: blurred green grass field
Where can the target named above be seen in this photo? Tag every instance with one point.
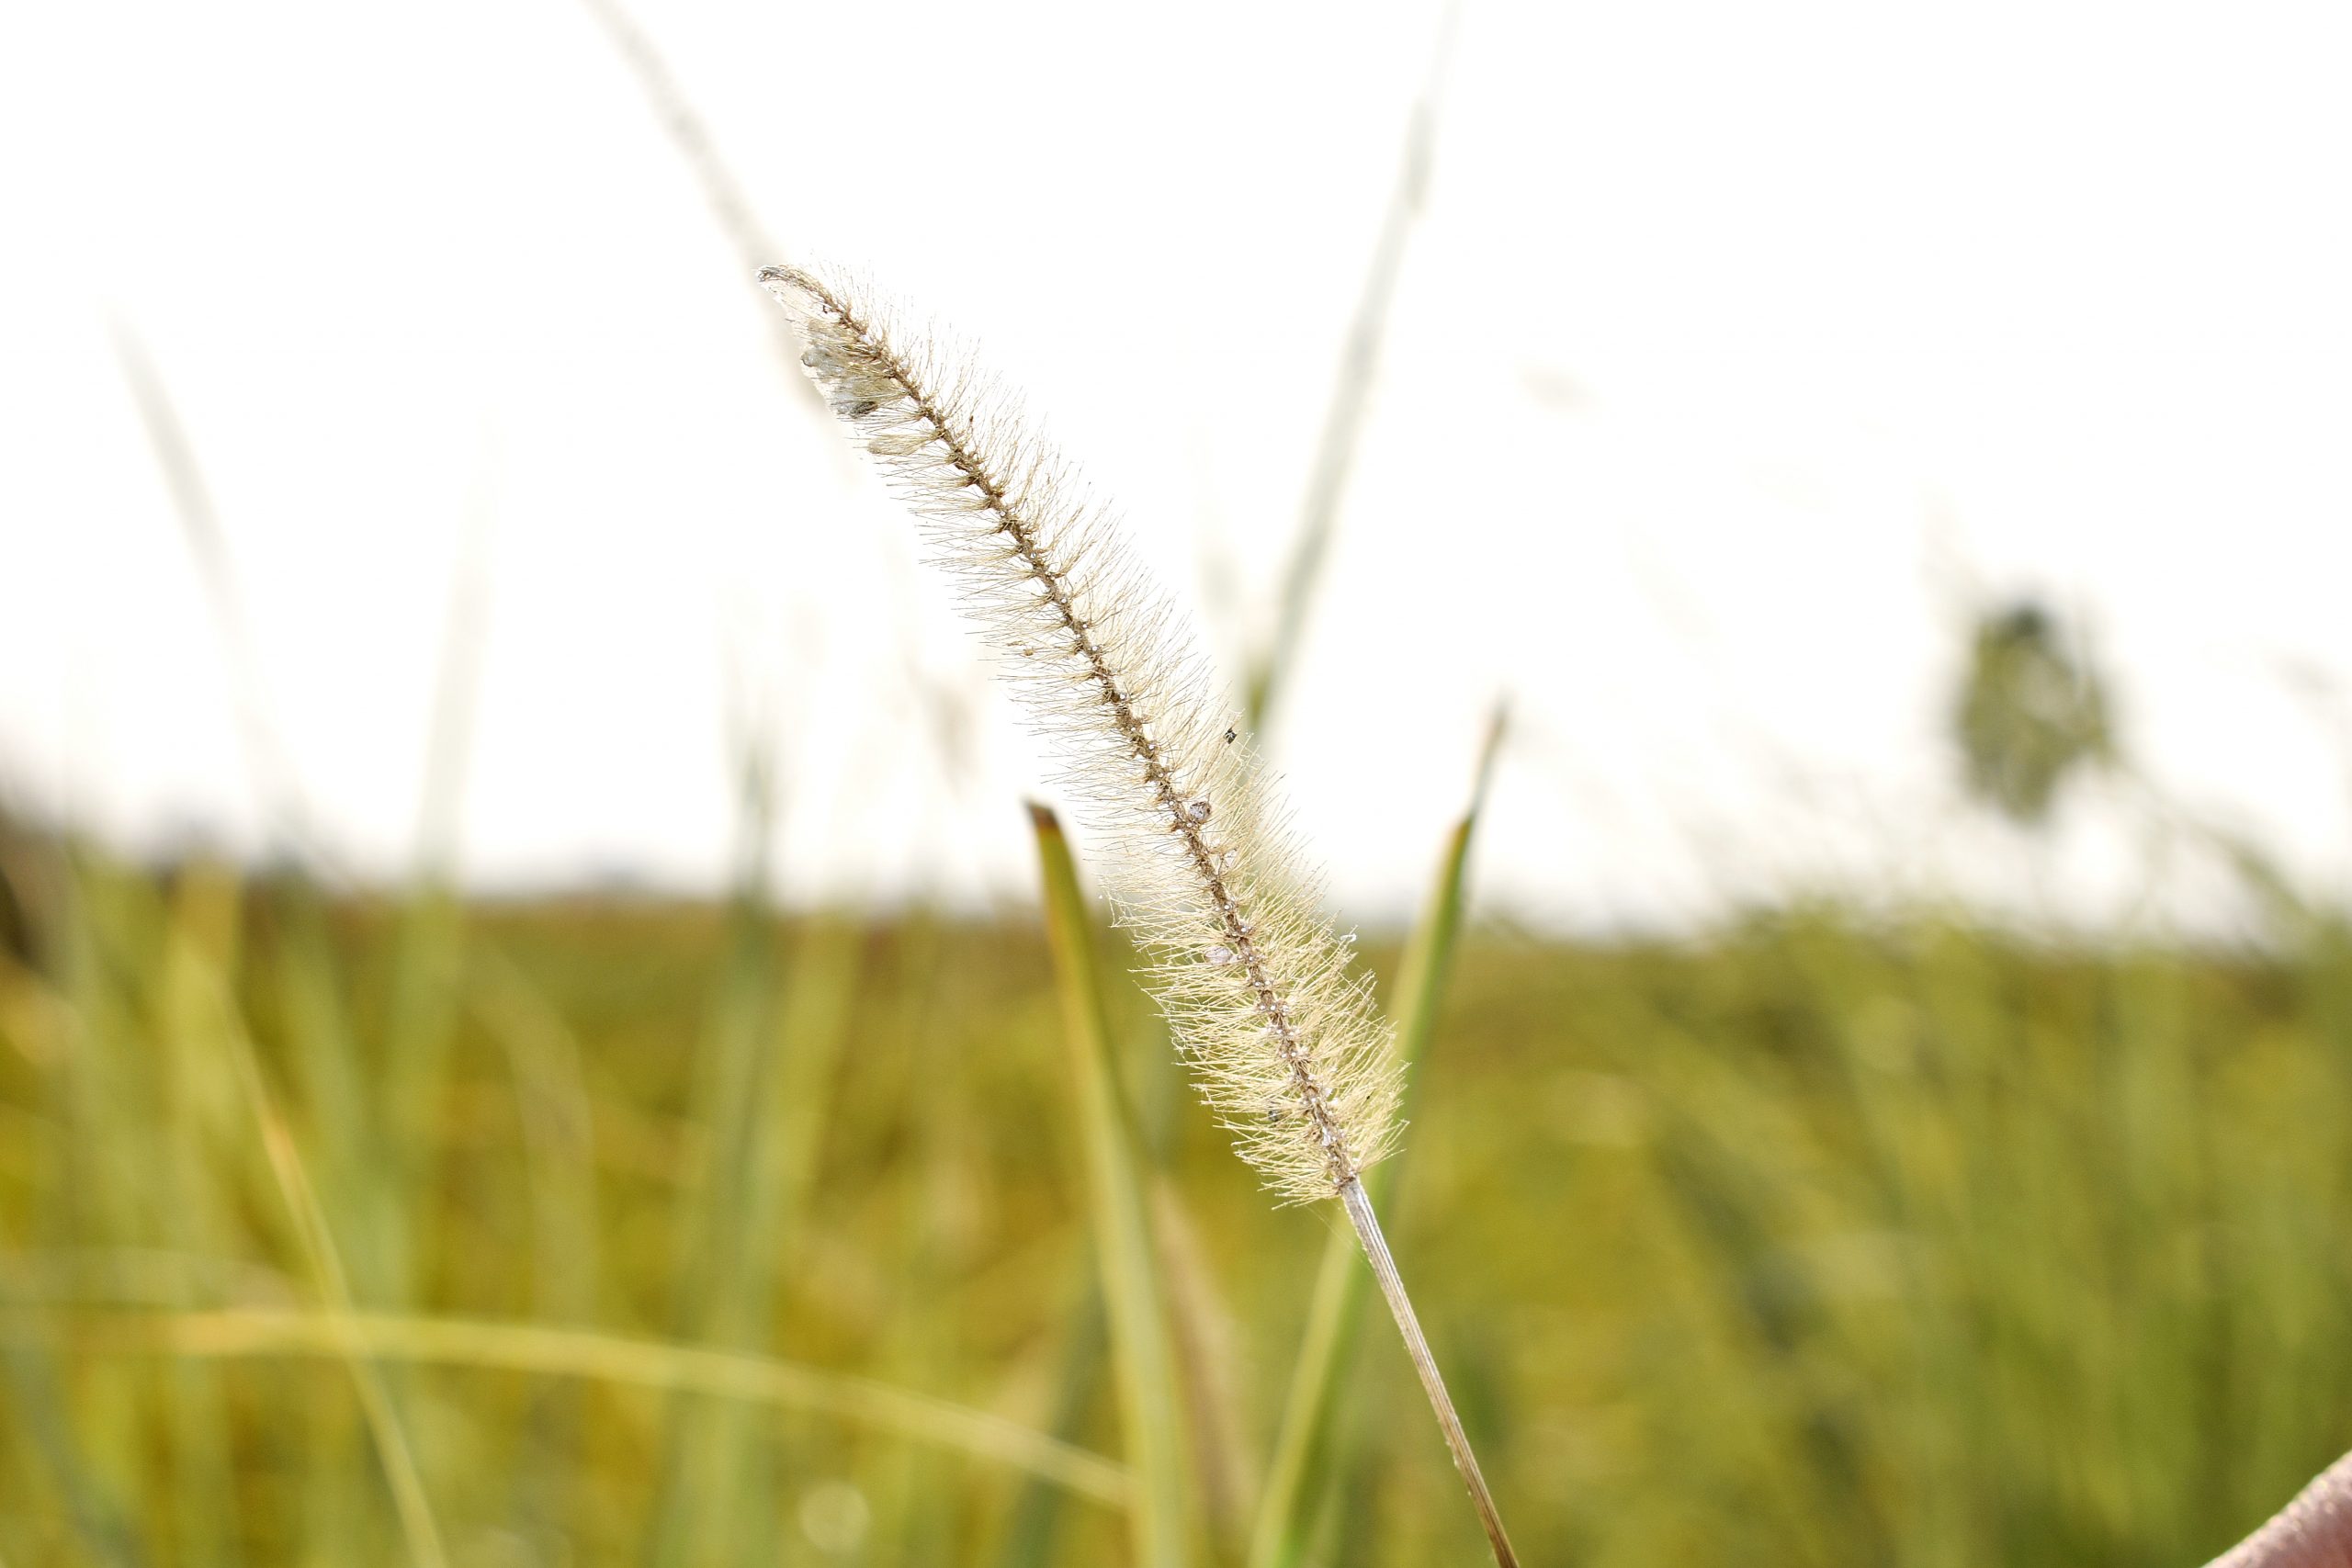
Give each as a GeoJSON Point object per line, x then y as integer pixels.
{"type": "Point", "coordinates": [1815, 1239]}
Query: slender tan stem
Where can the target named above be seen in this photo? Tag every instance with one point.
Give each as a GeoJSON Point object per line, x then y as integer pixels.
{"type": "Point", "coordinates": [1416, 1345]}
{"type": "Point", "coordinates": [558, 1351]}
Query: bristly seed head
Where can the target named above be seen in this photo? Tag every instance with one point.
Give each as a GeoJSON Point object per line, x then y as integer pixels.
{"type": "Point", "coordinates": [1287, 1046]}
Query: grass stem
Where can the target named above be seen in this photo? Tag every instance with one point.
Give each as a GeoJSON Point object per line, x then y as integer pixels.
{"type": "Point", "coordinates": [1400, 1305]}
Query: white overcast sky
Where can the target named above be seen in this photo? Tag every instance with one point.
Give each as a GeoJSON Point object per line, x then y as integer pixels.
{"type": "Point", "coordinates": [1739, 352]}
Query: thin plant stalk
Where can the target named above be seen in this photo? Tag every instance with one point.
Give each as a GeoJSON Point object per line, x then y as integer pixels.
{"type": "Point", "coordinates": [269, 765]}
{"type": "Point", "coordinates": [200, 942]}
{"type": "Point", "coordinates": [687, 131]}
{"type": "Point", "coordinates": [1305, 1455]}
{"type": "Point", "coordinates": [549, 1350]}
{"type": "Point", "coordinates": [422, 1533]}
{"type": "Point", "coordinates": [428, 950]}
{"type": "Point", "coordinates": [556, 1119]}
{"type": "Point", "coordinates": [1343, 418]}
{"type": "Point", "coordinates": [928, 1229]}
{"type": "Point", "coordinates": [709, 1449]}
{"type": "Point", "coordinates": [811, 1035]}
{"type": "Point", "coordinates": [65, 1026]}
{"type": "Point", "coordinates": [1201, 1325]}
{"type": "Point", "coordinates": [1400, 1306]}
{"type": "Point", "coordinates": [1027, 1538]}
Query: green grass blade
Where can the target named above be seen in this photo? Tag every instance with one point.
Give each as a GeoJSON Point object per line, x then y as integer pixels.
{"type": "Point", "coordinates": [40, 1434]}
{"type": "Point", "coordinates": [1301, 1465]}
{"type": "Point", "coordinates": [351, 1168]}
{"type": "Point", "coordinates": [370, 1337]}
{"type": "Point", "coordinates": [811, 1035]}
{"type": "Point", "coordinates": [1200, 1321]}
{"type": "Point", "coordinates": [709, 1450]}
{"type": "Point", "coordinates": [419, 1530]}
{"type": "Point", "coordinates": [557, 1120]}
{"type": "Point", "coordinates": [349, 1175]}
{"type": "Point", "coordinates": [200, 1159]}
{"type": "Point", "coordinates": [1150, 1402]}
{"type": "Point", "coordinates": [427, 961]}
{"type": "Point", "coordinates": [1027, 1539]}
{"type": "Point", "coordinates": [931, 1197]}
{"type": "Point", "coordinates": [559, 1134]}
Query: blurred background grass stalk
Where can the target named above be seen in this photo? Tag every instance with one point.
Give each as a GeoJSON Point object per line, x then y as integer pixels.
{"type": "Point", "coordinates": [1269, 665]}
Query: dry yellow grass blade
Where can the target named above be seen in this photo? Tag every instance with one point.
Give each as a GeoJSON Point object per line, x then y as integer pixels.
{"type": "Point", "coordinates": [401, 1473]}
{"type": "Point", "coordinates": [209, 997]}
{"type": "Point", "coordinates": [585, 1353]}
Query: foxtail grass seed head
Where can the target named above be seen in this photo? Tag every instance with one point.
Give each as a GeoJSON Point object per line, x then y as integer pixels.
{"type": "Point", "coordinates": [1285, 1042]}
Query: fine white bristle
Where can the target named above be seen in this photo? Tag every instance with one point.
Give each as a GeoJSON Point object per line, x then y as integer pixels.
{"type": "Point", "coordinates": [1285, 1041]}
